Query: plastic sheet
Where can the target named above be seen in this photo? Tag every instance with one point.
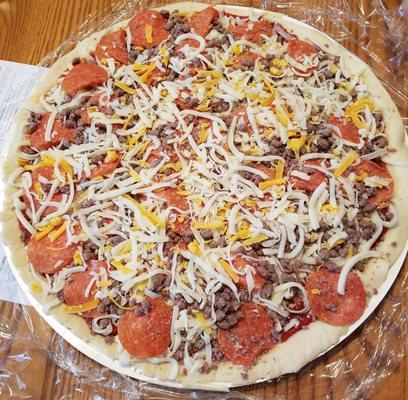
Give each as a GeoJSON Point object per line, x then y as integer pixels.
{"type": "Point", "coordinates": [373, 351]}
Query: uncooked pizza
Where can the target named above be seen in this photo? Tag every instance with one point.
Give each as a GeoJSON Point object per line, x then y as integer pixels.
{"type": "Point", "coordinates": [202, 191]}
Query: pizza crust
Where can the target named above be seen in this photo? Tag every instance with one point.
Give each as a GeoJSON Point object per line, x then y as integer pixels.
{"type": "Point", "coordinates": [287, 357]}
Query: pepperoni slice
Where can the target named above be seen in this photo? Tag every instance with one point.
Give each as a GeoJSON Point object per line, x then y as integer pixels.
{"type": "Point", "coordinates": [58, 133]}
{"type": "Point", "coordinates": [316, 178]}
{"type": "Point", "coordinates": [247, 57]}
{"type": "Point", "coordinates": [182, 101]}
{"type": "Point", "coordinates": [139, 26]}
{"type": "Point", "coordinates": [50, 257]}
{"type": "Point", "coordinates": [179, 225]}
{"type": "Point", "coordinates": [147, 335]}
{"type": "Point", "coordinates": [83, 76]}
{"type": "Point", "coordinates": [201, 22]}
{"type": "Point", "coordinates": [106, 168]}
{"type": "Point", "coordinates": [250, 337]}
{"type": "Point", "coordinates": [76, 285]}
{"type": "Point", "coordinates": [348, 129]}
{"type": "Point", "coordinates": [297, 49]}
{"type": "Point", "coordinates": [252, 31]}
{"type": "Point", "coordinates": [189, 42]}
{"type": "Point", "coordinates": [75, 288]}
{"type": "Point", "coordinates": [173, 199]}
{"type": "Point", "coordinates": [383, 195]}
{"type": "Point", "coordinates": [113, 45]}
{"type": "Point", "coordinates": [331, 307]}
{"type": "Point", "coordinates": [156, 155]}
{"type": "Point", "coordinates": [242, 116]}
{"type": "Point", "coordinates": [240, 263]}
{"type": "Point", "coordinates": [47, 173]}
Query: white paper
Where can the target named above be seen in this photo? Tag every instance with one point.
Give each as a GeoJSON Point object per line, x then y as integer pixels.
{"type": "Point", "coordinates": [16, 82]}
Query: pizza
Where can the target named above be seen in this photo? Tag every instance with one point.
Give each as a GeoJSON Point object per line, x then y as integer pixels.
{"type": "Point", "coordinates": [206, 195]}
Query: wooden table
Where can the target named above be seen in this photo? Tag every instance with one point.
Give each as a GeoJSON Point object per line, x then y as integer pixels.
{"type": "Point", "coordinates": [28, 31]}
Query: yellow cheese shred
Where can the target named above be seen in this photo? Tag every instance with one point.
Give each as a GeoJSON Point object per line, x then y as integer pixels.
{"type": "Point", "coordinates": [241, 234]}
{"type": "Point", "coordinates": [152, 217]}
{"type": "Point", "coordinates": [228, 269]}
{"type": "Point", "coordinates": [214, 224]}
{"type": "Point", "coordinates": [279, 169]}
{"type": "Point", "coordinates": [329, 208]}
{"type": "Point", "coordinates": [103, 284]}
{"type": "Point", "coordinates": [77, 258]}
{"type": "Point", "coordinates": [134, 174]}
{"type": "Point", "coordinates": [194, 248]}
{"type": "Point", "coordinates": [362, 176]}
{"type": "Point", "coordinates": [149, 33]}
{"type": "Point", "coordinates": [200, 316]}
{"type": "Point", "coordinates": [165, 56]}
{"type": "Point", "coordinates": [39, 165]}
{"type": "Point", "coordinates": [66, 167]}
{"type": "Point", "coordinates": [282, 115]}
{"type": "Point", "coordinates": [120, 306]}
{"type": "Point", "coordinates": [348, 160]}
{"type": "Point", "coordinates": [358, 121]}
{"type": "Point", "coordinates": [124, 87]}
{"type": "Point", "coordinates": [111, 156]}
{"type": "Point", "coordinates": [56, 234]}
{"type": "Point", "coordinates": [270, 183]}
{"type": "Point", "coordinates": [36, 287]}
{"type": "Point", "coordinates": [359, 105]}
{"type": "Point", "coordinates": [254, 240]}
{"type": "Point", "coordinates": [145, 75]}
{"type": "Point", "coordinates": [82, 307]}
{"type": "Point", "coordinates": [296, 144]}
{"type": "Point", "coordinates": [120, 267]}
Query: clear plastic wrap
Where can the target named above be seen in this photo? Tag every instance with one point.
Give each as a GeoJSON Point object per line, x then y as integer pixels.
{"type": "Point", "coordinates": [351, 370]}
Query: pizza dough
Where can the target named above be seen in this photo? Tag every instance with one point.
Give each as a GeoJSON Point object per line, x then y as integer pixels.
{"type": "Point", "coordinates": [284, 358]}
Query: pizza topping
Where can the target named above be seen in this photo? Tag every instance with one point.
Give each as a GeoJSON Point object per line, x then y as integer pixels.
{"type": "Point", "coordinates": [112, 45]}
{"type": "Point", "coordinates": [202, 21]}
{"type": "Point", "coordinates": [299, 49]}
{"type": "Point", "coordinates": [41, 191]}
{"type": "Point", "coordinates": [376, 176]}
{"type": "Point", "coordinates": [50, 132]}
{"type": "Point", "coordinates": [310, 180]}
{"type": "Point", "coordinates": [145, 332]}
{"type": "Point", "coordinates": [147, 29]}
{"type": "Point", "coordinates": [252, 31]}
{"type": "Point", "coordinates": [332, 307]}
{"type": "Point", "coordinates": [347, 129]}
{"type": "Point", "coordinates": [83, 76]}
{"type": "Point", "coordinates": [211, 175]}
{"type": "Point", "coordinates": [249, 338]}
{"type": "Point", "coordinates": [79, 294]}
{"type": "Point", "coordinates": [251, 278]}
{"type": "Point", "coordinates": [49, 255]}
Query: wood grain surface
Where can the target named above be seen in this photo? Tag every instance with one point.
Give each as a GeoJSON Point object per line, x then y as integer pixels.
{"type": "Point", "coordinates": [30, 29]}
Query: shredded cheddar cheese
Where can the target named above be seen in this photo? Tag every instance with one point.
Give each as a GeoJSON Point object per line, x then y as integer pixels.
{"type": "Point", "coordinates": [347, 161]}
{"type": "Point", "coordinates": [254, 240]}
{"type": "Point", "coordinates": [228, 269]}
{"type": "Point", "coordinates": [91, 305]}
{"type": "Point", "coordinates": [148, 33]}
